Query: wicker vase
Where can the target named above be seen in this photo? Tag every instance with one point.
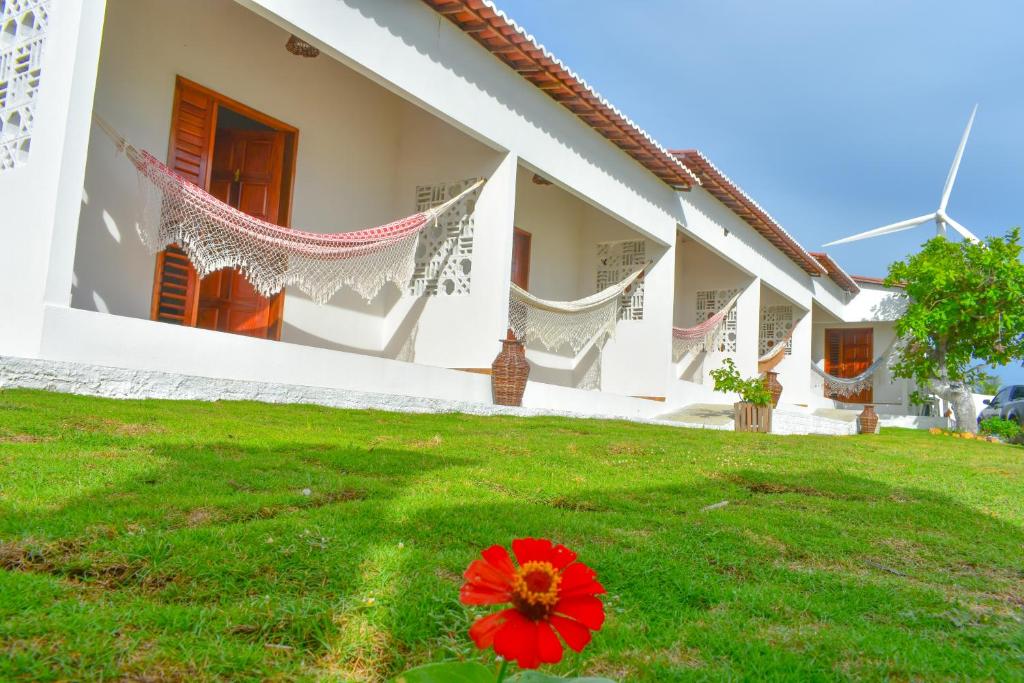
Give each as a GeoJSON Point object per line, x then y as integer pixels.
{"type": "Point", "coordinates": [771, 380]}
{"type": "Point", "coordinates": [867, 421]}
{"type": "Point", "coordinates": [509, 372]}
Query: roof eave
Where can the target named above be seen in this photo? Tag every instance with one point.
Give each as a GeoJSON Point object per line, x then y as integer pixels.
{"type": "Point", "coordinates": [510, 43]}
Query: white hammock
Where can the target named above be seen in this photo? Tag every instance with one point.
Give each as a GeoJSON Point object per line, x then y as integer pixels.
{"type": "Point", "coordinates": [705, 336]}
{"type": "Point", "coordinates": [845, 387]}
{"type": "Point", "coordinates": [574, 323]}
{"type": "Point", "coordinates": [215, 235]}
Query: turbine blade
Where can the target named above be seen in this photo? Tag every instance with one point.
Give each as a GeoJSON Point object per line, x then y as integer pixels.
{"type": "Point", "coordinates": [964, 232]}
{"type": "Point", "coordinates": [951, 178]}
{"type": "Point", "coordinates": [885, 230]}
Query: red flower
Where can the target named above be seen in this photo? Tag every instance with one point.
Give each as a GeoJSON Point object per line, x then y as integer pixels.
{"type": "Point", "coordinates": [549, 591]}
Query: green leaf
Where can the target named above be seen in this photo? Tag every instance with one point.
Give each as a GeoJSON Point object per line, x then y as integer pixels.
{"type": "Point", "coordinates": [448, 672]}
{"type": "Point", "coordinates": [537, 677]}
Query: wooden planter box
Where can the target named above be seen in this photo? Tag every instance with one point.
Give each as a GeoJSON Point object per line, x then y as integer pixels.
{"type": "Point", "coordinates": [753, 418]}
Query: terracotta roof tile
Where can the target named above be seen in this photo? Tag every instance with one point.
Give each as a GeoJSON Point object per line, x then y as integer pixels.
{"type": "Point", "coordinates": [740, 203]}
{"type": "Point", "coordinates": [507, 41]}
{"type": "Point", "coordinates": [835, 272]}
{"type": "Point", "coordinates": [867, 280]}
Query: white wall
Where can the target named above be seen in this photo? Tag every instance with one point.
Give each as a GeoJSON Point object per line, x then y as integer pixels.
{"type": "Point", "coordinates": [362, 151]}
{"type": "Point", "coordinates": [887, 389]}
{"type": "Point", "coordinates": [723, 232]}
{"type": "Point", "coordinates": [794, 369]}
{"type": "Point", "coordinates": [565, 232]}
{"type": "Point", "coordinates": [40, 199]}
{"type": "Point", "coordinates": [699, 268]}
{"type": "Point", "coordinates": [411, 49]}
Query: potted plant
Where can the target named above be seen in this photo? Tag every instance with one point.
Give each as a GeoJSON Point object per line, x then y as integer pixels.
{"type": "Point", "coordinates": [753, 412]}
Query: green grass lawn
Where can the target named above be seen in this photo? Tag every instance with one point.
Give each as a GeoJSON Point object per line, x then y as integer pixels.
{"type": "Point", "coordinates": [165, 541]}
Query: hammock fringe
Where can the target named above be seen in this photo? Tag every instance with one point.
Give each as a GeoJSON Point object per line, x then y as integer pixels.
{"type": "Point", "coordinates": [578, 324]}
{"type": "Point", "coordinates": [704, 336]}
{"type": "Point", "coordinates": [844, 387]}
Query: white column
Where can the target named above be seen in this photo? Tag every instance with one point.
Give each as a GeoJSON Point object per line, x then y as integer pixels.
{"type": "Point", "coordinates": [748, 328]}
{"type": "Point", "coordinates": [40, 201]}
{"type": "Point", "coordinates": [464, 332]}
{"type": "Point", "coordinates": [796, 386]}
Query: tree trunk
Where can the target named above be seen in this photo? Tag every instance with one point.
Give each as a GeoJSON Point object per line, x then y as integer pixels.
{"type": "Point", "coordinates": [963, 407]}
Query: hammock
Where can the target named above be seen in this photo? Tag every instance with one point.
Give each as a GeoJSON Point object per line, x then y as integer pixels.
{"type": "Point", "coordinates": [775, 354]}
{"type": "Point", "coordinates": [845, 387]}
{"type": "Point", "coordinates": [215, 235]}
{"type": "Point", "coordinates": [706, 335]}
{"type": "Point", "coordinates": [574, 323]}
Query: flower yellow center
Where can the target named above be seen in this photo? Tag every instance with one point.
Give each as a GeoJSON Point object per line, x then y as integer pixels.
{"type": "Point", "coordinates": [535, 589]}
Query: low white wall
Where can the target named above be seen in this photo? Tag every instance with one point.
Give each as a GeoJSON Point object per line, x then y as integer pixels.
{"type": "Point", "coordinates": [175, 354]}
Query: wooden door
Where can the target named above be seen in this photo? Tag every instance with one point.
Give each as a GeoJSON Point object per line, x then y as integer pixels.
{"type": "Point", "coordinates": [848, 353]}
{"type": "Point", "coordinates": [193, 120]}
{"type": "Point", "coordinates": [521, 244]}
{"type": "Point", "coordinates": [263, 189]}
{"type": "Point", "coordinates": [247, 174]}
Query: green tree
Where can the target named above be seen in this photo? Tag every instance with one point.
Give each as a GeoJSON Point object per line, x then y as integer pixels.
{"type": "Point", "coordinates": [986, 383]}
{"type": "Point", "coordinates": [965, 313]}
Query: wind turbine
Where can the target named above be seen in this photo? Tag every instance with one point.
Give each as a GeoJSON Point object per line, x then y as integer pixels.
{"type": "Point", "coordinates": [940, 217]}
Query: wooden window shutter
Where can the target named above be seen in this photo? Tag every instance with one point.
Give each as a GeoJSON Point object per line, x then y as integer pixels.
{"type": "Point", "coordinates": [834, 349]}
{"type": "Point", "coordinates": [193, 120]}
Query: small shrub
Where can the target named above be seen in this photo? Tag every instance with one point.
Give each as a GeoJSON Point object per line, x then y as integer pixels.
{"type": "Point", "coordinates": [1007, 430]}
{"type": "Point", "coordinates": [751, 390]}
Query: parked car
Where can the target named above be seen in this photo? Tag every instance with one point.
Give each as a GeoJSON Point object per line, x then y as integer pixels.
{"type": "Point", "coordinates": [1008, 403]}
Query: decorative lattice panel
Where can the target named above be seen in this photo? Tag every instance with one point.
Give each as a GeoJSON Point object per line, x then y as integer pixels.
{"type": "Point", "coordinates": [711, 301]}
{"type": "Point", "coordinates": [776, 323]}
{"type": "Point", "coordinates": [444, 254]}
{"type": "Point", "coordinates": [617, 260]}
{"type": "Point", "coordinates": [23, 26]}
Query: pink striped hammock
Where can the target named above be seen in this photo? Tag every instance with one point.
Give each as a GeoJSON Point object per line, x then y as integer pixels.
{"type": "Point", "coordinates": [705, 335]}
{"type": "Point", "coordinates": [216, 235]}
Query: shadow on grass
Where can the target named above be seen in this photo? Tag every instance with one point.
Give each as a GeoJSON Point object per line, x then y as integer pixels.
{"type": "Point", "coordinates": [340, 560]}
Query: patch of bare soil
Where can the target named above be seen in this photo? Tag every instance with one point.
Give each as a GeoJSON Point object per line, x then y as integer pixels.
{"type": "Point", "coordinates": [563, 503]}
{"type": "Point", "coordinates": [13, 438]}
{"type": "Point", "coordinates": [105, 425]}
{"type": "Point", "coordinates": [63, 559]}
{"type": "Point", "coordinates": [770, 488]}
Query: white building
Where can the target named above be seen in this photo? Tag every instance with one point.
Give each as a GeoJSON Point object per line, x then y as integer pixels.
{"type": "Point", "coordinates": [406, 102]}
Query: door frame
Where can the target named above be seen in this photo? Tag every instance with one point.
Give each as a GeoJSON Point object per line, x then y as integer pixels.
{"type": "Point", "coordinates": [843, 331]}
{"type": "Point", "coordinates": [284, 212]}
{"type": "Point", "coordinates": [528, 236]}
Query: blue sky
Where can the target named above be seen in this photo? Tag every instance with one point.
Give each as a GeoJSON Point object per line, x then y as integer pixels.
{"type": "Point", "coordinates": [837, 117]}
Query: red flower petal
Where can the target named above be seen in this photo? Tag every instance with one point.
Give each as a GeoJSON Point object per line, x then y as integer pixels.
{"type": "Point", "coordinates": [485, 575]}
{"type": "Point", "coordinates": [498, 558]}
{"type": "Point", "coordinates": [585, 609]}
{"type": "Point", "coordinates": [483, 630]}
{"type": "Point", "coordinates": [517, 639]}
{"type": "Point", "coordinates": [471, 594]}
{"type": "Point", "coordinates": [579, 579]}
{"type": "Point", "coordinates": [532, 550]}
{"type": "Point", "coordinates": [562, 557]}
{"type": "Point", "coordinates": [548, 644]}
{"type": "Point", "coordinates": [576, 635]}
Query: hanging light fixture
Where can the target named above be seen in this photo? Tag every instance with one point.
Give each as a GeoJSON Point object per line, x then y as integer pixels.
{"type": "Point", "coordinates": [297, 46]}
